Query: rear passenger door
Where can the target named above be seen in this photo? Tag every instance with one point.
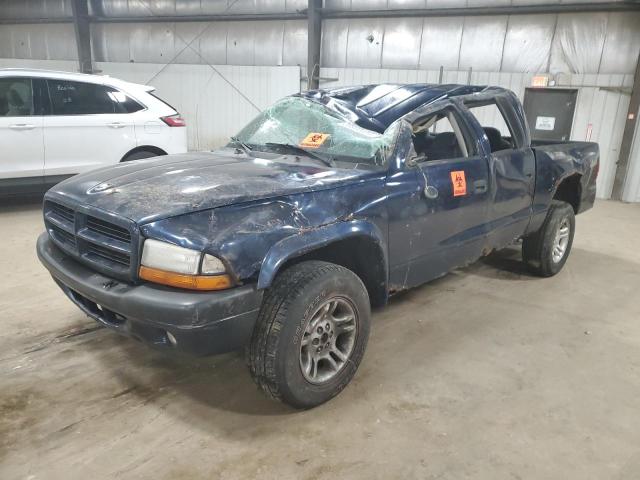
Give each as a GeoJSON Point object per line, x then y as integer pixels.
{"type": "Point", "coordinates": [86, 127]}
{"type": "Point", "coordinates": [511, 165]}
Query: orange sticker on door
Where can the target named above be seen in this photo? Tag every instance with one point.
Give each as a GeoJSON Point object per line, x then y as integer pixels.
{"type": "Point", "coordinates": [314, 140]}
{"type": "Point", "coordinates": [459, 183]}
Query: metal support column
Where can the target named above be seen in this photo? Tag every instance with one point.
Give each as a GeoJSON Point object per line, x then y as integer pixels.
{"type": "Point", "coordinates": [627, 137]}
{"type": "Point", "coordinates": [82, 28]}
{"type": "Point", "coordinates": [314, 29]}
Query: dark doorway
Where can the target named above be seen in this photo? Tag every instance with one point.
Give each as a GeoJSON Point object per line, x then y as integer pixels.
{"type": "Point", "coordinates": [550, 112]}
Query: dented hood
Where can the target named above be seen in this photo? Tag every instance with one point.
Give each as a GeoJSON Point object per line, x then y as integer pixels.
{"type": "Point", "coordinates": [148, 190]}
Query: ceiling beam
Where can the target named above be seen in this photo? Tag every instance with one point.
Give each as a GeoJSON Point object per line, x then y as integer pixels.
{"type": "Point", "coordinates": [82, 29]}
{"type": "Point", "coordinates": [618, 6]}
{"type": "Point", "coordinates": [314, 37]}
{"type": "Point", "coordinates": [485, 11]}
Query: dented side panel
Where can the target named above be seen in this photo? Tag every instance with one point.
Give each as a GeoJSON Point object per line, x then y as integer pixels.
{"type": "Point", "coordinates": [243, 235]}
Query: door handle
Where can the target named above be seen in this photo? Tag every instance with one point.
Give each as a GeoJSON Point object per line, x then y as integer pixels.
{"type": "Point", "coordinates": [22, 126]}
{"type": "Point", "coordinates": [480, 186]}
{"type": "Point", "coordinates": [116, 125]}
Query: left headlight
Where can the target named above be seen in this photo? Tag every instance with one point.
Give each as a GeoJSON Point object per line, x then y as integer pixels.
{"type": "Point", "coordinates": [181, 267]}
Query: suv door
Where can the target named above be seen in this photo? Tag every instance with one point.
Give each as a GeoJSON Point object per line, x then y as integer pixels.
{"type": "Point", "coordinates": [438, 202]}
{"type": "Point", "coordinates": [87, 127]}
{"type": "Point", "coordinates": [21, 135]}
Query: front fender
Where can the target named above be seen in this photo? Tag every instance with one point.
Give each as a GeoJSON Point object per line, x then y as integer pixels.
{"type": "Point", "coordinates": [309, 240]}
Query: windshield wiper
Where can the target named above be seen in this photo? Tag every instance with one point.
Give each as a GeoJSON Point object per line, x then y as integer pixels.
{"type": "Point", "coordinates": [244, 146]}
{"type": "Point", "coordinates": [301, 151]}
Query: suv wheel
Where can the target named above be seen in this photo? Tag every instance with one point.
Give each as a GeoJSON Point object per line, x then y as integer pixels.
{"type": "Point", "coordinates": [546, 251]}
{"type": "Point", "coordinates": [311, 334]}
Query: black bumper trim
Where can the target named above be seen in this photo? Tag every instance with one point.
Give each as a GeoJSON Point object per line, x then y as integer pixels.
{"type": "Point", "coordinates": [203, 323]}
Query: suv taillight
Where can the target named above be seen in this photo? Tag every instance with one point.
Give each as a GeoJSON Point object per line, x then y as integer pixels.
{"type": "Point", "coordinates": [174, 120]}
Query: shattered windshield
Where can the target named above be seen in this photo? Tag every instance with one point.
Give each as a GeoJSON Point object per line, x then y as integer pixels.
{"type": "Point", "coordinates": [296, 123]}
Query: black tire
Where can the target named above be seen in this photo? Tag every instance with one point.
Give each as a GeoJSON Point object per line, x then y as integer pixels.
{"type": "Point", "coordinates": [274, 354]}
{"type": "Point", "coordinates": [538, 248]}
{"type": "Point", "coordinates": [140, 154]}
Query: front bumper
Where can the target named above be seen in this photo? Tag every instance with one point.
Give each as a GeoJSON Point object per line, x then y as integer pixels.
{"type": "Point", "coordinates": [202, 323]}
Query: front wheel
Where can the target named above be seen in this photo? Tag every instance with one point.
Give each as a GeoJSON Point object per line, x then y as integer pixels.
{"type": "Point", "coordinates": [311, 334]}
{"type": "Point", "coordinates": [546, 251]}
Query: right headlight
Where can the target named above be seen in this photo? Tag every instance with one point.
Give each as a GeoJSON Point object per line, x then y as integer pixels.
{"type": "Point", "coordinates": [169, 264]}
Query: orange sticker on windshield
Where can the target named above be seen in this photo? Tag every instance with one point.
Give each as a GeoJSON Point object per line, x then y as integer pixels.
{"type": "Point", "coordinates": [314, 140]}
{"type": "Point", "coordinates": [459, 183]}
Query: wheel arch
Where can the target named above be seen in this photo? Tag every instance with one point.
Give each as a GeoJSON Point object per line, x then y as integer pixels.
{"type": "Point", "coordinates": [143, 148]}
{"type": "Point", "coordinates": [357, 245]}
{"type": "Point", "coordinates": [570, 190]}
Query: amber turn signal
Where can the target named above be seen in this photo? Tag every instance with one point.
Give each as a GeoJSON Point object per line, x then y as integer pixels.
{"type": "Point", "coordinates": [190, 282]}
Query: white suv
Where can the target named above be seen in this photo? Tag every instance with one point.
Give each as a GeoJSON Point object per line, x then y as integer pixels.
{"type": "Point", "coordinates": [57, 124]}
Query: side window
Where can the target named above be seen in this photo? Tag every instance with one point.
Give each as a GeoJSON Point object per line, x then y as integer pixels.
{"type": "Point", "coordinates": [16, 97]}
{"type": "Point", "coordinates": [79, 98]}
{"type": "Point", "coordinates": [494, 124]}
{"type": "Point", "coordinates": [441, 136]}
{"type": "Point", "coordinates": [123, 103]}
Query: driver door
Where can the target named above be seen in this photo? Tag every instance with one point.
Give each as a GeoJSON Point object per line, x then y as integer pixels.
{"type": "Point", "coordinates": [439, 223]}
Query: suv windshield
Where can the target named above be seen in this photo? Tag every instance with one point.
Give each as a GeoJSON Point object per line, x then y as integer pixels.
{"type": "Point", "coordinates": [296, 123]}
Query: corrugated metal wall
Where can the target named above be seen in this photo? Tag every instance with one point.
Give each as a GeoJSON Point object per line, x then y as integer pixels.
{"type": "Point", "coordinates": [556, 43]}
{"type": "Point", "coordinates": [632, 184]}
{"type": "Point", "coordinates": [590, 51]}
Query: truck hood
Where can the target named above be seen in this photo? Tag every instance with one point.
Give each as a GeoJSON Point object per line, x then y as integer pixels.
{"type": "Point", "coordinates": [148, 190]}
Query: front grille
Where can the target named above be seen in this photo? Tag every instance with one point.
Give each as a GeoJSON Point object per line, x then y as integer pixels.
{"type": "Point", "coordinates": [63, 212]}
{"type": "Point", "coordinates": [105, 243]}
{"type": "Point", "coordinates": [109, 229]}
{"type": "Point", "coordinates": [109, 255]}
{"type": "Point", "coordinates": [63, 236]}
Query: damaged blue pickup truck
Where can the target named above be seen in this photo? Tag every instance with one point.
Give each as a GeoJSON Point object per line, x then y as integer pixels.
{"type": "Point", "coordinates": [320, 208]}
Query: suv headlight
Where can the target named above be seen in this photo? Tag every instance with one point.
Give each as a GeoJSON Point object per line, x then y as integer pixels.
{"type": "Point", "coordinates": [181, 267]}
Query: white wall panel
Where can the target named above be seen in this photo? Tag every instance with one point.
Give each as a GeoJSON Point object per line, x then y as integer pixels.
{"type": "Point", "coordinates": [527, 44]}
{"type": "Point", "coordinates": [441, 43]}
{"type": "Point", "coordinates": [402, 40]}
{"type": "Point", "coordinates": [212, 45]}
{"type": "Point", "coordinates": [334, 42]}
{"type": "Point", "coordinates": [364, 42]}
{"type": "Point", "coordinates": [483, 43]}
{"type": "Point", "coordinates": [42, 42]}
{"type": "Point", "coordinates": [294, 45]}
{"type": "Point", "coordinates": [578, 43]}
{"type": "Point", "coordinates": [622, 43]}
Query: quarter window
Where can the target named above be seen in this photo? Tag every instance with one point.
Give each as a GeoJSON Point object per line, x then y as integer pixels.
{"type": "Point", "coordinates": [494, 124]}
{"type": "Point", "coordinates": [78, 98]}
{"type": "Point", "coordinates": [16, 97]}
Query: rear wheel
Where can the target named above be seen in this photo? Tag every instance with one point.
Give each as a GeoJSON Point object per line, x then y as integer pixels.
{"type": "Point", "coordinates": [311, 334]}
{"type": "Point", "coordinates": [546, 251]}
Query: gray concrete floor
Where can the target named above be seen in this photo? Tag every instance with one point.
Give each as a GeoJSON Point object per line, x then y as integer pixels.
{"type": "Point", "coordinates": [486, 373]}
